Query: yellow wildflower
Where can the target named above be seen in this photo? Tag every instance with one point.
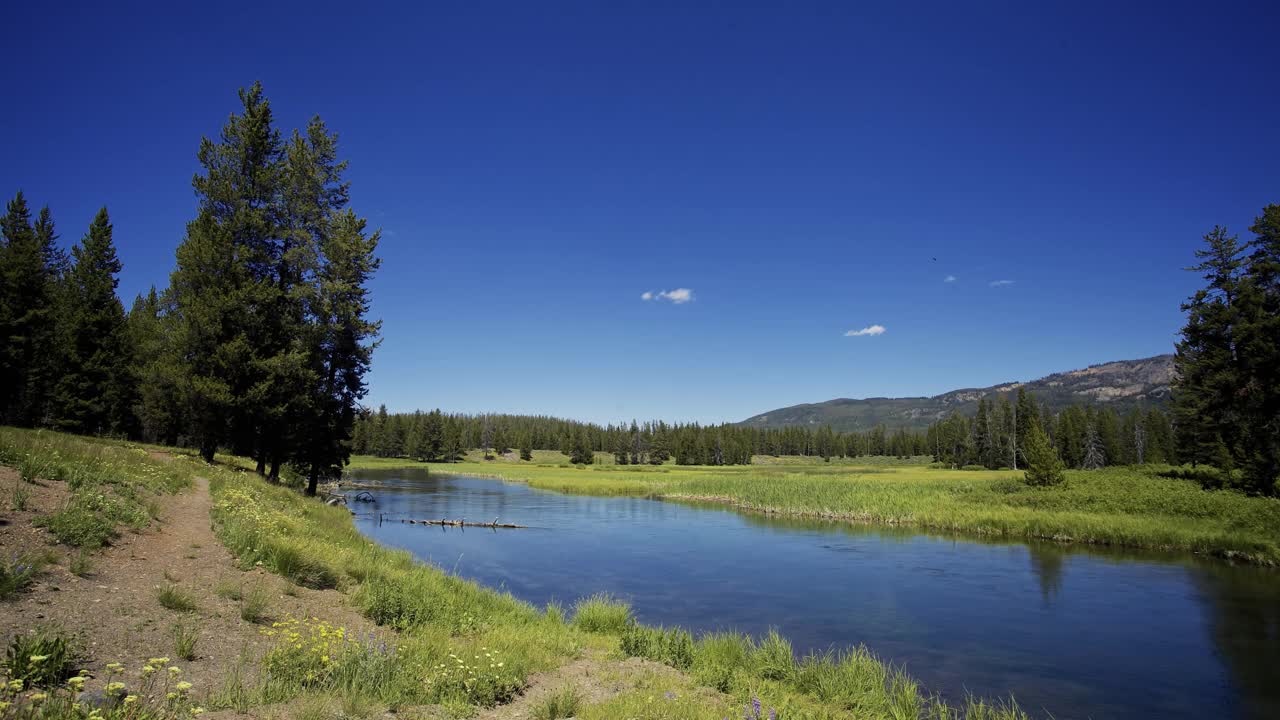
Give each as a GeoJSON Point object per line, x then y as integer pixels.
{"type": "Point", "coordinates": [15, 685]}
{"type": "Point", "coordinates": [37, 659]}
{"type": "Point", "coordinates": [174, 671]}
{"type": "Point", "coordinates": [183, 686]}
{"type": "Point", "coordinates": [130, 699]}
{"type": "Point", "coordinates": [38, 697]}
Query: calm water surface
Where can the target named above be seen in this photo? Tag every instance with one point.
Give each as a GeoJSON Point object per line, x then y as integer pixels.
{"type": "Point", "coordinates": [1074, 632]}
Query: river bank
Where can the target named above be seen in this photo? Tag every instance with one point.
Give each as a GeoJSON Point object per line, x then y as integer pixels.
{"type": "Point", "coordinates": [331, 624]}
{"type": "Point", "coordinates": [1134, 507]}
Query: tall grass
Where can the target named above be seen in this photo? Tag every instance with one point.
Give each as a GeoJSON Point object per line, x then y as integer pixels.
{"type": "Point", "coordinates": [1137, 507]}
{"type": "Point", "coordinates": [462, 646]}
{"type": "Point", "coordinates": [112, 484]}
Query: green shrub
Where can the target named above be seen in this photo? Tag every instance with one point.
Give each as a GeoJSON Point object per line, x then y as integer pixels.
{"type": "Point", "coordinates": [253, 604]}
{"type": "Point", "coordinates": [20, 496]}
{"type": "Point", "coordinates": [773, 658]}
{"type": "Point", "coordinates": [673, 647]}
{"type": "Point", "coordinates": [44, 658]}
{"type": "Point", "coordinates": [561, 704]}
{"type": "Point", "coordinates": [175, 598]}
{"type": "Point", "coordinates": [81, 565]}
{"type": "Point", "coordinates": [602, 613]}
{"type": "Point", "coordinates": [78, 526]}
{"type": "Point", "coordinates": [16, 575]}
{"type": "Point", "coordinates": [295, 564]}
{"type": "Point", "coordinates": [184, 641]}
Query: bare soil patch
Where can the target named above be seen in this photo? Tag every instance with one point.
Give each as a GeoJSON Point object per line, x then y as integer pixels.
{"type": "Point", "coordinates": [115, 611]}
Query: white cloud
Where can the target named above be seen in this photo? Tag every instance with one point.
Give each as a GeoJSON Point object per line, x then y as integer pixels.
{"type": "Point", "coordinates": [869, 331]}
{"type": "Point", "coordinates": [949, 278]}
{"type": "Point", "coordinates": [679, 296]}
{"type": "Point", "coordinates": [1000, 283]}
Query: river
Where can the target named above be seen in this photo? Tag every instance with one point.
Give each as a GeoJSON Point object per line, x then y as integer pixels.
{"type": "Point", "coordinates": [1076, 632]}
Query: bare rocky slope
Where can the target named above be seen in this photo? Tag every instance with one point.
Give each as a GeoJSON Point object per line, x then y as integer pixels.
{"type": "Point", "coordinates": [1121, 385]}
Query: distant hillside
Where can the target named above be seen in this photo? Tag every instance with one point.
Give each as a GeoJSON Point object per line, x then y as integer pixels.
{"type": "Point", "coordinates": [1121, 385]}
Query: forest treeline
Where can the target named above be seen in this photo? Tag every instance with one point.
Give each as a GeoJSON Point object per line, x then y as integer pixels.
{"type": "Point", "coordinates": [259, 345]}
{"type": "Point", "coordinates": [1086, 437]}
{"type": "Point", "coordinates": [439, 436]}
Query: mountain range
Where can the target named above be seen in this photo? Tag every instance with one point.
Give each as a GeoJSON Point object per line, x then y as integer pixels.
{"type": "Point", "coordinates": [1121, 385]}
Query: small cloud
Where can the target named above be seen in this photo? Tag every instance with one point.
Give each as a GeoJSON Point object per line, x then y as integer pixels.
{"type": "Point", "coordinates": [949, 278]}
{"type": "Point", "coordinates": [679, 296]}
{"type": "Point", "coordinates": [869, 331]}
{"type": "Point", "coordinates": [1000, 283]}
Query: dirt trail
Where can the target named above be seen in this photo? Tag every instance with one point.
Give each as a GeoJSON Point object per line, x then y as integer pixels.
{"type": "Point", "coordinates": [115, 609]}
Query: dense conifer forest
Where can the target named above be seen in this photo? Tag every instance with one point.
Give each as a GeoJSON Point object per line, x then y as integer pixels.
{"type": "Point", "coordinates": [260, 343]}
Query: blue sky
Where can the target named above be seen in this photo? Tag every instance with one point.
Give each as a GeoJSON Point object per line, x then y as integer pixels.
{"type": "Point", "coordinates": [537, 167]}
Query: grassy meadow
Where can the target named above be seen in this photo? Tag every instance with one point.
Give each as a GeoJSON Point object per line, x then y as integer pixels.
{"type": "Point", "coordinates": [446, 647]}
{"type": "Point", "coordinates": [1136, 507]}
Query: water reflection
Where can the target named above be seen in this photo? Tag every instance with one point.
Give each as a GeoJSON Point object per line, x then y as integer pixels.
{"type": "Point", "coordinates": [1244, 619]}
{"type": "Point", "coordinates": [1046, 563]}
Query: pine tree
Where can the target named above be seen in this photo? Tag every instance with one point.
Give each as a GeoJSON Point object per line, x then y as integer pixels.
{"type": "Point", "coordinates": [1258, 347]}
{"type": "Point", "coordinates": [158, 374]}
{"type": "Point", "coordinates": [526, 446]}
{"type": "Point", "coordinates": [223, 286]}
{"type": "Point", "coordinates": [29, 268]}
{"type": "Point", "coordinates": [1044, 467]}
{"type": "Point", "coordinates": [582, 451]}
{"type": "Point", "coordinates": [1206, 361]}
{"type": "Point", "coordinates": [486, 438]}
{"type": "Point", "coordinates": [1026, 413]}
{"type": "Point", "coordinates": [91, 394]}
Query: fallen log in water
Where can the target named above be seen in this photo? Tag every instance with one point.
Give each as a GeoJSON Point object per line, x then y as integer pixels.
{"type": "Point", "coordinates": [443, 522]}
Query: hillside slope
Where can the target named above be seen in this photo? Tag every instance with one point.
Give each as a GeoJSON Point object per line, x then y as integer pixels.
{"type": "Point", "coordinates": [1121, 385]}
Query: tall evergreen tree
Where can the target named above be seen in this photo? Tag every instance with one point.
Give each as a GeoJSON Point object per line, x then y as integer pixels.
{"type": "Point", "coordinates": [223, 286]}
{"type": "Point", "coordinates": [346, 340]}
{"type": "Point", "coordinates": [29, 267]}
{"type": "Point", "coordinates": [1206, 361]}
{"type": "Point", "coordinates": [92, 394]}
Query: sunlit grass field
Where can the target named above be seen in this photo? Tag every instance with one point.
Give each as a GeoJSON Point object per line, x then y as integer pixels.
{"type": "Point", "coordinates": [1134, 507]}
{"type": "Point", "coordinates": [446, 642]}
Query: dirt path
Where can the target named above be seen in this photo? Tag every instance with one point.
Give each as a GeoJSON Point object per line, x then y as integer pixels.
{"type": "Point", "coordinates": [114, 607]}
{"type": "Point", "coordinates": [115, 610]}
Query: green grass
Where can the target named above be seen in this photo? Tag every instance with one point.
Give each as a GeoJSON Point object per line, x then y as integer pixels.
{"type": "Point", "coordinates": [175, 598]}
{"type": "Point", "coordinates": [185, 638]}
{"type": "Point", "coordinates": [17, 573]}
{"type": "Point", "coordinates": [559, 705]}
{"type": "Point", "coordinates": [113, 484]}
{"type": "Point", "coordinates": [462, 646]}
{"type": "Point", "coordinates": [254, 604]}
{"type": "Point", "coordinates": [1134, 507]}
{"type": "Point", "coordinates": [601, 613]}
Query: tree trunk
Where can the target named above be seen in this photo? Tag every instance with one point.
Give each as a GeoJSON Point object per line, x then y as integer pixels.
{"type": "Point", "coordinates": [313, 479]}
{"type": "Point", "coordinates": [261, 469]}
{"type": "Point", "coordinates": [275, 471]}
{"type": "Point", "coordinates": [207, 451]}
